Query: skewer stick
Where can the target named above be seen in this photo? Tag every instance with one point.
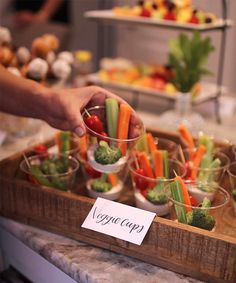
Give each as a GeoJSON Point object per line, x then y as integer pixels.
{"type": "Point", "coordinates": [175, 173]}
{"type": "Point", "coordinates": [26, 161]}
{"type": "Point", "coordinates": [136, 161]}
{"type": "Point", "coordinates": [86, 111]}
{"type": "Point", "coordinates": [181, 154]}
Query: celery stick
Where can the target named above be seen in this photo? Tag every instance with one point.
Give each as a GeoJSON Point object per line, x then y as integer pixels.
{"type": "Point", "coordinates": [207, 141]}
{"type": "Point", "coordinates": [112, 116]}
{"type": "Point", "coordinates": [55, 179]}
{"type": "Point", "coordinates": [141, 144]}
{"type": "Point", "coordinates": [39, 176]}
{"type": "Point", "coordinates": [177, 195]}
{"type": "Point", "coordinates": [65, 141]}
{"type": "Point", "coordinates": [165, 163]}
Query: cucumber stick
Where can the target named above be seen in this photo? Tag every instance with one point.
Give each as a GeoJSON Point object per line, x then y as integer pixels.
{"type": "Point", "coordinates": [177, 195]}
{"type": "Point", "coordinates": [39, 176]}
{"type": "Point", "coordinates": [112, 116]}
{"type": "Point", "coordinates": [65, 141]}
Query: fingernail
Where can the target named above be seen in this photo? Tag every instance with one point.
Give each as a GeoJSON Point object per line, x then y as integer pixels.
{"type": "Point", "coordinates": [79, 131]}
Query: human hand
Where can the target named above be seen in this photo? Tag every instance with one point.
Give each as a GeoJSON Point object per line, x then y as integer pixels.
{"type": "Point", "coordinates": [63, 108]}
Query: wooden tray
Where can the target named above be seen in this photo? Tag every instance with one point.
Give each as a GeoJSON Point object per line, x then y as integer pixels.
{"type": "Point", "coordinates": [208, 256]}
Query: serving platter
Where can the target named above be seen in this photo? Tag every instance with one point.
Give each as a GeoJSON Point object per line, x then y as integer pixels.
{"type": "Point", "coordinates": [206, 255]}
{"type": "Point", "coordinates": [209, 91]}
{"type": "Point", "coordinates": [110, 17]}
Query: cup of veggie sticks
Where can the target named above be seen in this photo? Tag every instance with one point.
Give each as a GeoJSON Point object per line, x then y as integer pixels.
{"type": "Point", "coordinates": [202, 166]}
{"type": "Point", "coordinates": [111, 133]}
{"type": "Point", "coordinates": [232, 179]}
{"type": "Point", "coordinates": [148, 142]}
{"type": "Point", "coordinates": [151, 175]}
{"type": "Point", "coordinates": [204, 215]}
{"type": "Point", "coordinates": [51, 170]}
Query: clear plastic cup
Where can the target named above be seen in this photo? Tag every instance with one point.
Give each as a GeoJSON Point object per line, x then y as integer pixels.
{"type": "Point", "coordinates": [201, 216]}
{"type": "Point", "coordinates": [51, 170]}
{"type": "Point", "coordinates": [206, 174]}
{"type": "Point", "coordinates": [152, 193]}
{"type": "Point", "coordinates": [94, 139]}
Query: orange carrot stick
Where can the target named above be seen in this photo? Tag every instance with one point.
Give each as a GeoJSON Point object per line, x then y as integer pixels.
{"type": "Point", "coordinates": [58, 140]}
{"type": "Point", "coordinates": [145, 164]}
{"type": "Point", "coordinates": [123, 125]}
{"type": "Point", "coordinates": [83, 147]}
{"type": "Point", "coordinates": [151, 142]}
{"type": "Point", "coordinates": [201, 150]}
{"type": "Point", "coordinates": [184, 192]}
{"type": "Point", "coordinates": [112, 179]}
{"type": "Point", "coordinates": [157, 158]}
{"type": "Point", "coordinates": [185, 134]}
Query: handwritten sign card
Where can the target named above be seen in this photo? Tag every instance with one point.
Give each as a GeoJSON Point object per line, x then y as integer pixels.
{"type": "Point", "coordinates": [119, 220]}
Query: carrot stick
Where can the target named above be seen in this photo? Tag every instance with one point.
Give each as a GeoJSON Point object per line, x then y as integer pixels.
{"type": "Point", "coordinates": [197, 160]}
{"type": "Point", "coordinates": [123, 125]}
{"type": "Point", "coordinates": [157, 158]}
{"type": "Point", "coordinates": [83, 147]}
{"type": "Point", "coordinates": [184, 192]}
{"type": "Point", "coordinates": [185, 134]}
{"type": "Point", "coordinates": [58, 140]}
{"type": "Point", "coordinates": [145, 164]}
{"type": "Point", "coordinates": [151, 143]}
{"type": "Point", "coordinates": [112, 179]}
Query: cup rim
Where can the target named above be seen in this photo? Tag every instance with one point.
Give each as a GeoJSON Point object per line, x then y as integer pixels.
{"type": "Point", "coordinates": [212, 169]}
{"type": "Point", "coordinates": [26, 170]}
{"type": "Point", "coordinates": [110, 138]}
{"type": "Point", "coordinates": [161, 179]}
{"type": "Point", "coordinates": [228, 169]}
{"type": "Point", "coordinates": [219, 188]}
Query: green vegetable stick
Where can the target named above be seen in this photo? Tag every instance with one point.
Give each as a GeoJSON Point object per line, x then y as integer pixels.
{"type": "Point", "coordinates": [56, 182]}
{"type": "Point", "coordinates": [177, 195]}
{"type": "Point", "coordinates": [112, 116]}
{"type": "Point", "coordinates": [142, 144]}
{"type": "Point", "coordinates": [65, 141]}
{"type": "Point", "coordinates": [39, 176]}
{"type": "Point", "coordinates": [165, 163]}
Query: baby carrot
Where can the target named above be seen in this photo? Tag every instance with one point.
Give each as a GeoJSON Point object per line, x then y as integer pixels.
{"type": "Point", "coordinates": [112, 179]}
{"type": "Point", "coordinates": [201, 150]}
{"type": "Point", "coordinates": [145, 164]}
{"type": "Point", "coordinates": [123, 125]}
{"type": "Point", "coordinates": [157, 158]}
{"type": "Point", "coordinates": [185, 194]}
{"type": "Point", "coordinates": [185, 134]}
{"type": "Point", "coordinates": [151, 142]}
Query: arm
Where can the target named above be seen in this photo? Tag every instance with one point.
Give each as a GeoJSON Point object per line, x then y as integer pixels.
{"type": "Point", "coordinates": [59, 108]}
{"type": "Point", "coordinates": [48, 9]}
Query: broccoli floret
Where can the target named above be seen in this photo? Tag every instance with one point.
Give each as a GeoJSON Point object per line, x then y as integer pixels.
{"type": "Point", "coordinates": [157, 196]}
{"type": "Point", "coordinates": [234, 194]}
{"type": "Point", "coordinates": [101, 184]}
{"type": "Point", "coordinates": [104, 154]}
{"type": "Point", "coordinates": [200, 217]}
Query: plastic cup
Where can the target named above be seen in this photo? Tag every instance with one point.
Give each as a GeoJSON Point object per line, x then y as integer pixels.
{"type": "Point", "coordinates": [232, 180]}
{"type": "Point", "coordinates": [51, 170]}
{"type": "Point", "coordinates": [93, 139]}
{"type": "Point", "coordinates": [198, 216]}
{"type": "Point", "coordinates": [204, 175]}
{"type": "Point", "coordinates": [142, 186]}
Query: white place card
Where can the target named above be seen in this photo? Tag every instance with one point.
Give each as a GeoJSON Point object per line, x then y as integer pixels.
{"type": "Point", "coordinates": [119, 220]}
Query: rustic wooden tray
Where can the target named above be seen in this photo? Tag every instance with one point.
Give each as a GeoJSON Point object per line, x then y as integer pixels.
{"type": "Point", "coordinates": [208, 256]}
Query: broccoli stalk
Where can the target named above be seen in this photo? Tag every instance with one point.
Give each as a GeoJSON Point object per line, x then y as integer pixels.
{"type": "Point", "coordinates": [101, 184]}
{"type": "Point", "coordinates": [104, 154]}
{"type": "Point", "coordinates": [200, 217]}
{"type": "Point", "coordinates": [157, 195]}
{"type": "Point", "coordinates": [234, 194]}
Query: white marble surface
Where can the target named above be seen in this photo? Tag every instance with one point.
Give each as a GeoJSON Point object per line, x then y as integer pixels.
{"type": "Point", "coordinates": [87, 264]}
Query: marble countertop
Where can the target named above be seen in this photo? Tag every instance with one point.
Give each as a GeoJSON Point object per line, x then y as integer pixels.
{"type": "Point", "coordinates": [87, 264]}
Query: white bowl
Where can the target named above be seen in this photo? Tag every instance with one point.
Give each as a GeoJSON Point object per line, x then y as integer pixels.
{"type": "Point", "coordinates": [143, 203]}
{"type": "Point", "coordinates": [199, 194]}
{"type": "Point", "coordinates": [113, 194]}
